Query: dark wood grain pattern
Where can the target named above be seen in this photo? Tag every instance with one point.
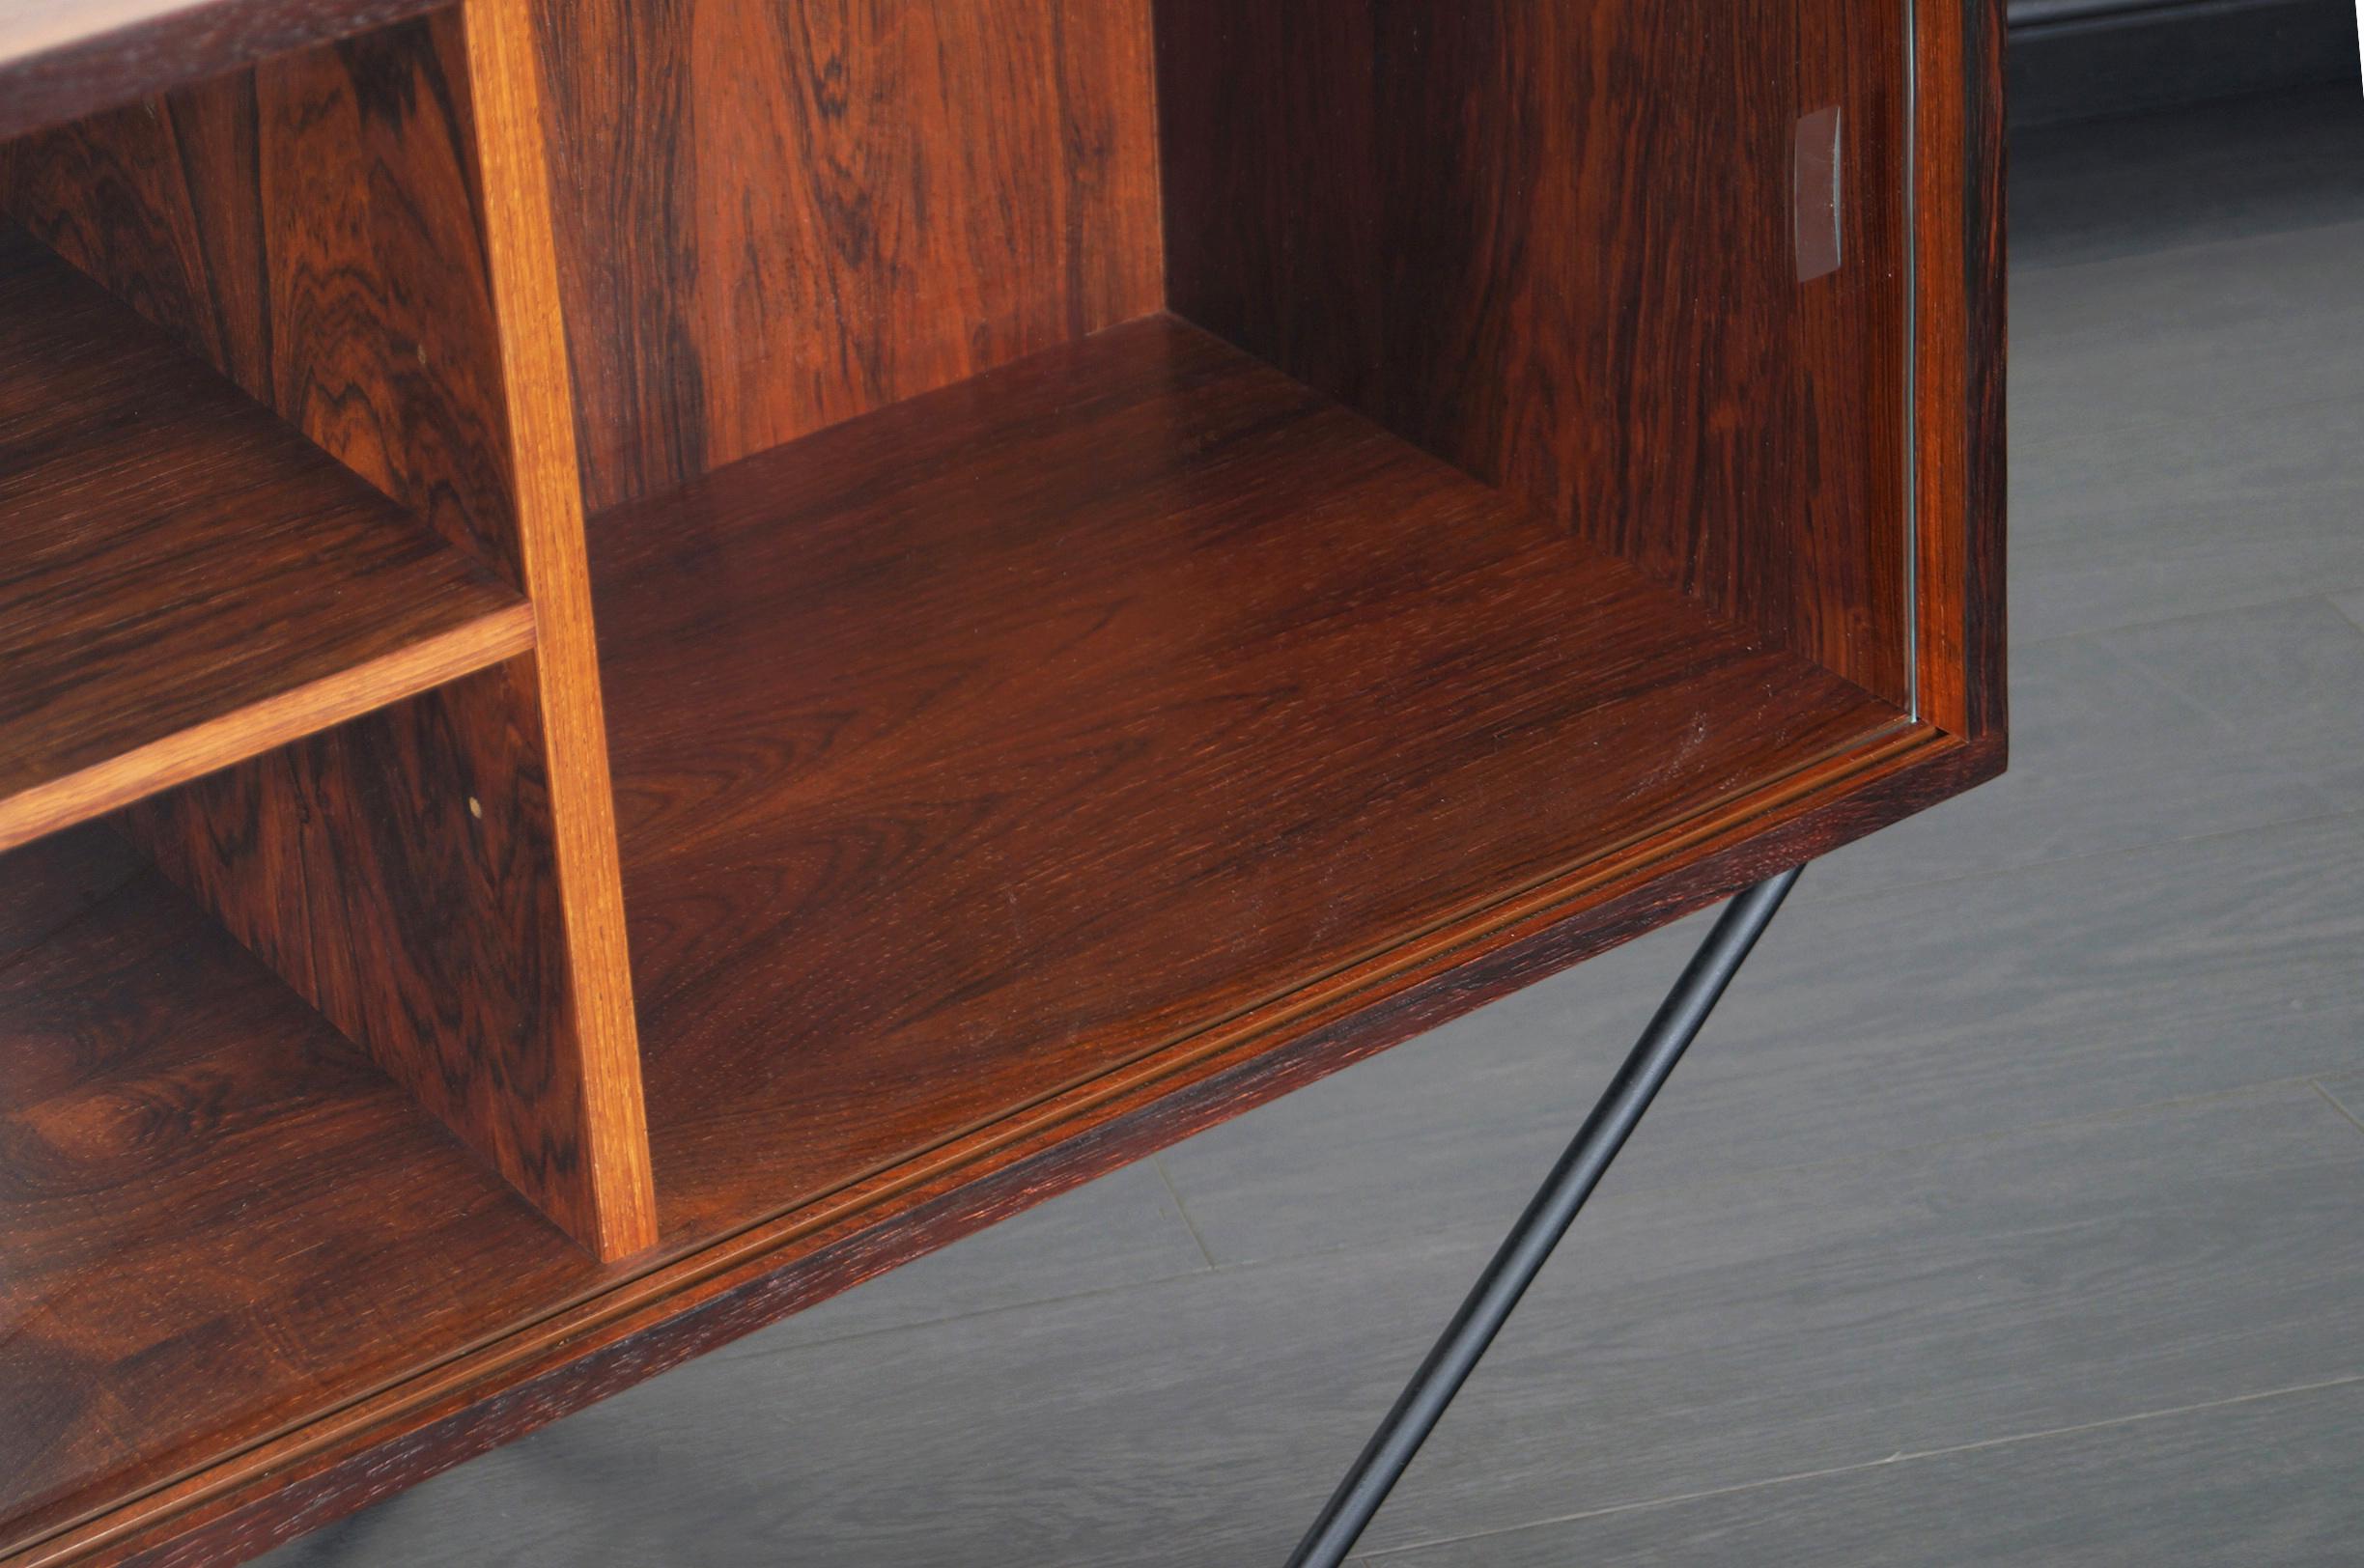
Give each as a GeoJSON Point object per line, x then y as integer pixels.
{"type": "Point", "coordinates": [451, 984]}
{"type": "Point", "coordinates": [187, 581]}
{"type": "Point", "coordinates": [55, 880]}
{"type": "Point", "coordinates": [62, 59]}
{"type": "Point", "coordinates": [670, 1315]}
{"type": "Point", "coordinates": [215, 1216]}
{"type": "Point", "coordinates": [987, 743]}
{"type": "Point", "coordinates": [1552, 243]}
{"type": "Point", "coordinates": [723, 1291]}
{"type": "Point", "coordinates": [942, 188]}
{"type": "Point", "coordinates": [310, 228]}
{"type": "Point", "coordinates": [504, 86]}
{"type": "Point", "coordinates": [319, 227]}
{"type": "Point", "coordinates": [1020, 777]}
{"type": "Point", "coordinates": [1959, 343]}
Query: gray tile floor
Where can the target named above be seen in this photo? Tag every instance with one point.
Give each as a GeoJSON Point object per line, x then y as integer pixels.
{"type": "Point", "coordinates": [2012, 1212]}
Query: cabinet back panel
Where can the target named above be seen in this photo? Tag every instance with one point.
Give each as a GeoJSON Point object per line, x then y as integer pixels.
{"type": "Point", "coordinates": [776, 214]}
{"type": "Point", "coordinates": [1551, 240]}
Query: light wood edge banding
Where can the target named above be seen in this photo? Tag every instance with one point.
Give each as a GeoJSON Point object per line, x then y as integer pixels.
{"type": "Point", "coordinates": [522, 257]}
{"type": "Point", "coordinates": [258, 727]}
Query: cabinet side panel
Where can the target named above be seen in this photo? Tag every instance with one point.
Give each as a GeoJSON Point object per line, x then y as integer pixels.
{"type": "Point", "coordinates": [1959, 369]}
{"type": "Point", "coordinates": [1555, 245]}
{"type": "Point", "coordinates": [776, 214]}
{"type": "Point", "coordinates": [316, 227]}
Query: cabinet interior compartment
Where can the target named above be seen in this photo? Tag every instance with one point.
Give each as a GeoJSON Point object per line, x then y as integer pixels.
{"type": "Point", "coordinates": [319, 1062]}
{"type": "Point", "coordinates": [1108, 521]}
{"type": "Point", "coordinates": [631, 631]}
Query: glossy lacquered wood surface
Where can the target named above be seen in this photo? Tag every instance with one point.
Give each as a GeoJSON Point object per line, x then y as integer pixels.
{"type": "Point", "coordinates": [1554, 243]}
{"type": "Point", "coordinates": [600, 1042]}
{"type": "Point", "coordinates": [725, 1291]}
{"type": "Point", "coordinates": [187, 581]}
{"type": "Point", "coordinates": [1960, 447]}
{"type": "Point", "coordinates": [1020, 777]}
{"type": "Point", "coordinates": [309, 226]}
{"type": "Point", "coordinates": [989, 741]}
{"type": "Point", "coordinates": [358, 233]}
{"type": "Point", "coordinates": [216, 1215]}
{"type": "Point", "coordinates": [390, 871]}
{"type": "Point", "coordinates": [774, 216]}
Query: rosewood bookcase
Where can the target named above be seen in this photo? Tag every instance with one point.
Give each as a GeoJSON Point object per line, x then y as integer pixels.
{"type": "Point", "coordinates": [1137, 551]}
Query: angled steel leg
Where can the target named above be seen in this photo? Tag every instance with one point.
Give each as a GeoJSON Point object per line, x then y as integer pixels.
{"type": "Point", "coordinates": [1531, 1240]}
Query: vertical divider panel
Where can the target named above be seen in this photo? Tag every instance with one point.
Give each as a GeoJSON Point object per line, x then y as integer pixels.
{"type": "Point", "coordinates": [358, 233]}
{"type": "Point", "coordinates": [523, 256]}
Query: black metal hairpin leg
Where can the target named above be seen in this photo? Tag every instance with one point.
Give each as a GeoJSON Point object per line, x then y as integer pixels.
{"type": "Point", "coordinates": [1524, 1251]}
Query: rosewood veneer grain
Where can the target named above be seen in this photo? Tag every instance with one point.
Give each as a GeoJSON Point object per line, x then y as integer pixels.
{"type": "Point", "coordinates": [64, 58]}
{"type": "Point", "coordinates": [1081, 732]}
{"type": "Point", "coordinates": [1422, 213]}
{"type": "Point", "coordinates": [944, 188]}
{"type": "Point", "coordinates": [358, 234]}
{"type": "Point", "coordinates": [187, 581]}
{"type": "Point", "coordinates": [985, 743]}
{"type": "Point", "coordinates": [216, 1217]}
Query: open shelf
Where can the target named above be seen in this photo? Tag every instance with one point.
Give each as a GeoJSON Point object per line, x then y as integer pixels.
{"type": "Point", "coordinates": [979, 745]}
{"type": "Point", "coordinates": [216, 1215]}
{"type": "Point", "coordinates": [184, 580]}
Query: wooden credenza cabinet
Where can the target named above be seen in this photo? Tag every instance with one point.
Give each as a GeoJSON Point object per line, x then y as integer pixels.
{"type": "Point", "coordinates": [1136, 553]}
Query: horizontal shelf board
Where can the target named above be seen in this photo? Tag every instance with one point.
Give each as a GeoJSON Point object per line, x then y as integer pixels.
{"type": "Point", "coordinates": [184, 580]}
{"type": "Point", "coordinates": [974, 748]}
{"type": "Point", "coordinates": [216, 1215]}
